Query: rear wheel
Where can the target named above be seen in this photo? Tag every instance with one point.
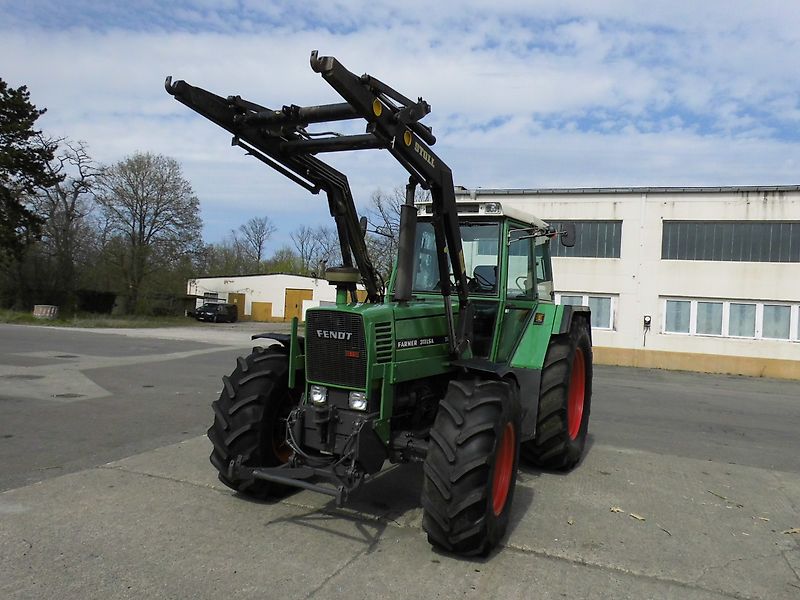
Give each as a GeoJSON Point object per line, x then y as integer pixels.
{"type": "Point", "coordinates": [471, 467]}
{"type": "Point", "coordinates": [250, 419]}
{"type": "Point", "coordinates": [565, 400]}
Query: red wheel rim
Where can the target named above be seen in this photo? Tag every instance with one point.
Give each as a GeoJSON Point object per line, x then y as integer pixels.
{"type": "Point", "coordinates": [503, 469]}
{"type": "Point", "coordinates": [577, 390]}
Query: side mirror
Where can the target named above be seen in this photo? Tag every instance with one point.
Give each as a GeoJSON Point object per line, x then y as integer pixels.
{"type": "Point", "coordinates": [363, 224]}
{"type": "Point", "coordinates": [568, 235]}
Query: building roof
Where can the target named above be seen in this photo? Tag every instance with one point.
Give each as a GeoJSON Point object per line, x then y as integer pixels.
{"type": "Point", "coordinates": [253, 275]}
{"type": "Point", "coordinates": [627, 190]}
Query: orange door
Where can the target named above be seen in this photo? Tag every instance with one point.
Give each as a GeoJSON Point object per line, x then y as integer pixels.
{"type": "Point", "coordinates": [238, 300]}
{"type": "Point", "coordinates": [293, 306]}
{"type": "Point", "coordinates": [261, 311]}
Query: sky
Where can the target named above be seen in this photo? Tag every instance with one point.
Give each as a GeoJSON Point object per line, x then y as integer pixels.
{"type": "Point", "coordinates": [524, 94]}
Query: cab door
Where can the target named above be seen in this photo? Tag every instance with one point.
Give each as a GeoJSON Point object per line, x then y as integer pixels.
{"type": "Point", "coordinates": [523, 270]}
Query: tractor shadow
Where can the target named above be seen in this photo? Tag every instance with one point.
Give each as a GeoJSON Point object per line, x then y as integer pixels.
{"type": "Point", "coordinates": [392, 497]}
{"type": "Point", "coordinates": [531, 471]}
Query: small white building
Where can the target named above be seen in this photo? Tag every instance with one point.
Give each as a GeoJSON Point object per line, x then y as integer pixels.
{"type": "Point", "coordinates": [273, 297]}
{"type": "Point", "coordinates": [704, 279]}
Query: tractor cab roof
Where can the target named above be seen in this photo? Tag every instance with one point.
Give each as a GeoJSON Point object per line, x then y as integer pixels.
{"type": "Point", "coordinates": [468, 207]}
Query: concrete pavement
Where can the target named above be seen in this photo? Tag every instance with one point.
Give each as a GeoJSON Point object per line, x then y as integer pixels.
{"type": "Point", "coordinates": [688, 486]}
{"type": "Point", "coordinates": [159, 525]}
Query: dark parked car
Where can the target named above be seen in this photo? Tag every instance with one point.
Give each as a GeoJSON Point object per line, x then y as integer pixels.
{"type": "Point", "coordinates": [218, 313]}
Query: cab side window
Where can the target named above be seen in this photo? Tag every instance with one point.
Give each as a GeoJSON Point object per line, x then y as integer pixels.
{"type": "Point", "coordinates": [544, 271]}
{"type": "Point", "coordinates": [521, 283]}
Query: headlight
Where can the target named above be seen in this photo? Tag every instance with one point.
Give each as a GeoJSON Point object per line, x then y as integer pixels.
{"type": "Point", "coordinates": [318, 394]}
{"type": "Point", "coordinates": [358, 400]}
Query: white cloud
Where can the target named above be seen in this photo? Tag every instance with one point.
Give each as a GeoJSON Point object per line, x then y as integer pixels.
{"type": "Point", "coordinates": [528, 94]}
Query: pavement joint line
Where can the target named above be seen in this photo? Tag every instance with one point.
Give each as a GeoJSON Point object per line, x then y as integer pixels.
{"type": "Point", "coordinates": [645, 576]}
{"type": "Point", "coordinates": [364, 517]}
{"type": "Point", "coordinates": [707, 569]}
{"type": "Point", "coordinates": [112, 467]}
{"type": "Point", "coordinates": [791, 567]}
{"type": "Point", "coordinates": [384, 518]}
{"type": "Point", "coordinates": [354, 515]}
{"type": "Point", "coordinates": [780, 486]}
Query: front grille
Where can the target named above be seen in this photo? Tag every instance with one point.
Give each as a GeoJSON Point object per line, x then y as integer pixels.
{"type": "Point", "coordinates": [333, 356]}
{"type": "Point", "coordinates": [383, 342]}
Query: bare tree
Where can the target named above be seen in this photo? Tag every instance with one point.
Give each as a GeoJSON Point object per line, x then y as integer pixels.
{"type": "Point", "coordinates": [315, 246]}
{"type": "Point", "coordinates": [65, 205]}
{"type": "Point", "coordinates": [226, 258]}
{"type": "Point", "coordinates": [384, 219]}
{"type": "Point", "coordinates": [307, 245]}
{"type": "Point", "coordinates": [329, 251]}
{"type": "Point", "coordinates": [252, 237]}
{"type": "Point", "coordinates": [153, 211]}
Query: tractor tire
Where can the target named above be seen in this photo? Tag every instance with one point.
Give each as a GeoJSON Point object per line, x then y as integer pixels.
{"type": "Point", "coordinates": [565, 400]}
{"type": "Point", "coordinates": [250, 419]}
{"type": "Point", "coordinates": [471, 467]}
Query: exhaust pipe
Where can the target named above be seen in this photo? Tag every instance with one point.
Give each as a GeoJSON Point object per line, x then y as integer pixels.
{"type": "Point", "coordinates": [405, 246]}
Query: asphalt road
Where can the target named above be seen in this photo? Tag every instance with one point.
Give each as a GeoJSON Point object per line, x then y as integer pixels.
{"type": "Point", "coordinates": [71, 400]}
{"type": "Point", "coordinates": [75, 399]}
{"type": "Point", "coordinates": [690, 489]}
{"type": "Point", "coordinates": [722, 418]}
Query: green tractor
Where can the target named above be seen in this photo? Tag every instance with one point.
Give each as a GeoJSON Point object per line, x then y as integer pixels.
{"type": "Point", "coordinates": [465, 372]}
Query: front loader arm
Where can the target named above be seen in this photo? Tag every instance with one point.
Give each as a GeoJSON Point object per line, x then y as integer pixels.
{"type": "Point", "coordinates": [276, 147]}
{"type": "Point", "coordinates": [394, 120]}
{"type": "Point", "coordinates": [279, 139]}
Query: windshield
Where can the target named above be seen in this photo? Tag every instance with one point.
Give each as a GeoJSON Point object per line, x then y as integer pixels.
{"type": "Point", "coordinates": [481, 245]}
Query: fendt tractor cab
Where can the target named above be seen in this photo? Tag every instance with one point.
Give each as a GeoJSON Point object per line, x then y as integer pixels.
{"type": "Point", "coordinates": [462, 361]}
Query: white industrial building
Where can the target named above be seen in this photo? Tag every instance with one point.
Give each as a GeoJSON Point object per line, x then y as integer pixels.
{"type": "Point", "coordinates": [714, 271]}
{"type": "Point", "coordinates": [273, 297]}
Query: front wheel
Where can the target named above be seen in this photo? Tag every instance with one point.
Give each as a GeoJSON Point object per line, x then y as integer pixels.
{"type": "Point", "coordinates": [565, 399]}
{"type": "Point", "coordinates": [471, 467]}
{"type": "Point", "coordinates": [250, 419]}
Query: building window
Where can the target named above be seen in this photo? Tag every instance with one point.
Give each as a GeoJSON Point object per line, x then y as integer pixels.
{"type": "Point", "coordinates": [593, 239]}
{"type": "Point", "coordinates": [678, 316]}
{"type": "Point", "coordinates": [572, 300]}
{"type": "Point", "coordinates": [742, 322]}
{"type": "Point", "coordinates": [487, 247]}
{"type": "Point", "coordinates": [709, 318]}
{"type": "Point", "coordinates": [736, 241]}
{"type": "Point", "coordinates": [776, 321]}
{"type": "Point", "coordinates": [601, 311]}
{"type": "Point", "coordinates": [602, 307]}
{"type": "Point", "coordinates": [732, 318]}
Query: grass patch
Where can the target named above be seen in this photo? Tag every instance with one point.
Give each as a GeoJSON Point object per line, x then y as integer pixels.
{"type": "Point", "coordinates": [95, 321]}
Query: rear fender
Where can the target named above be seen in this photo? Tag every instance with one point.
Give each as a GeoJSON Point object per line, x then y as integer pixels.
{"type": "Point", "coordinates": [568, 314]}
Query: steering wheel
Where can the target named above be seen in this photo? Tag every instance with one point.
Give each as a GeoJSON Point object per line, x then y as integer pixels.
{"type": "Point", "coordinates": [521, 286]}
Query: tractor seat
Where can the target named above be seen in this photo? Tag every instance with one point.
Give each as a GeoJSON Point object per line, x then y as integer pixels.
{"type": "Point", "coordinates": [485, 278]}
